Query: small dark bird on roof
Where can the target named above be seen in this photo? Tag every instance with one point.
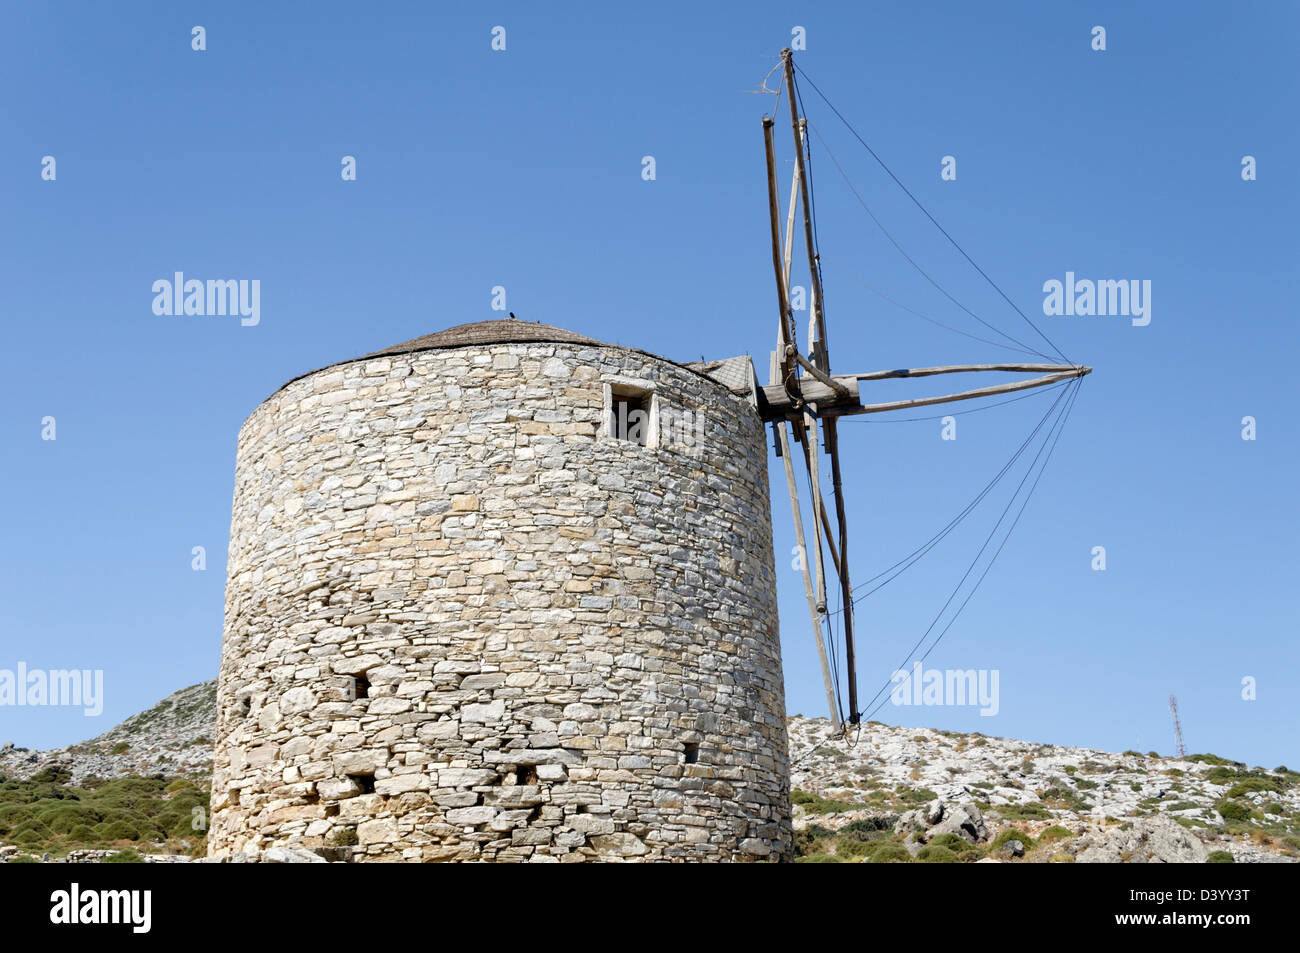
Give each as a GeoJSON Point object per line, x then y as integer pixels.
{"type": "Point", "coordinates": [512, 315]}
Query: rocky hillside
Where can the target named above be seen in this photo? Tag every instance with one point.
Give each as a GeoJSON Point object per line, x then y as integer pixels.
{"type": "Point", "coordinates": [882, 794]}
{"type": "Point", "coordinates": [173, 738]}
{"type": "Point", "coordinates": [952, 797]}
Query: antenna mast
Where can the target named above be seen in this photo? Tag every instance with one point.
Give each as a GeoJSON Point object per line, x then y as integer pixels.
{"type": "Point", "coordinates": [1178, 728]}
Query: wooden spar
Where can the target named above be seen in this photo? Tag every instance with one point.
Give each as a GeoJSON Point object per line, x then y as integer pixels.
{"type": "Point", "coordinates": [842, 570]}
{"type": "Point", "coordinates": [812, 369]}
{"type": "Point", "coordinates": [969, 368]}
{"type": "Point", "coordinates": [825, 518]}
{"type": "Point", "coordinates": [789, 223]}
{"type": "Point", "coordinates": [810, 448]}
{"type": "Point", "coordinates": [783, 373]}
{"type": "Point", "coordinates": [814, 275]}
{"type": "Point", "coordinates": [831, 404]}
{"type": "Point", "coordinates": [967, 395]}
{"type": "Point", "coordinates": [814, 615]}
{"type": "Point", "coordinates": [783, 330]}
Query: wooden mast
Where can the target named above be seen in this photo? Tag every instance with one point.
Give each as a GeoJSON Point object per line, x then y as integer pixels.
{"type": "Point", "coordinates": [783, 377]}
{"type": "Point", "coordinates": [818, 365]}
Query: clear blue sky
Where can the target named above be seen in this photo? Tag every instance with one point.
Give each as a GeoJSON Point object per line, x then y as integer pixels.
{"type": "Point", "coordinates": [523, 168]}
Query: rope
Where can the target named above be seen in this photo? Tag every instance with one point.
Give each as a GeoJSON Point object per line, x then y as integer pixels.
{"type": "Point", "coordinates": [1025, 348]}
{"type": "Point", "coordinates": [932, 219]}
{"type": "Point", "coordinates": [916, 555]}
{"type": "Point", "coordinates": [1049, 444]}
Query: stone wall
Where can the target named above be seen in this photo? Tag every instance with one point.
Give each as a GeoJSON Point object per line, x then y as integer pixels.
{"type": "Point", "coordinates": [566, 644]}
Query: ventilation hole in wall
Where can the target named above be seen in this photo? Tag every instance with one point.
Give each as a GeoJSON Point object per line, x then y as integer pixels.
{"type": "Point", "coordinates": [312, 798]}
{"type": "Point", "coordinates": [629, 417]}
{"type": "Point", "coordinates": [366, 782]}
{"type": "Point", "coordinates": [526, 774]}
{"type": "Point", "coordinates": [245, 706]}
{"type": "Point", "coordinates": [692, 752]}
{"type": "Point", "coordinates": [360, 687]}
{"type": "Point", "coordinates": [331, 810]}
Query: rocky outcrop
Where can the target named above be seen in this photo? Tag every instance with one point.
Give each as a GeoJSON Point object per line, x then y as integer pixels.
{"type": "Point", "coordinates": [1103, 807]}
{"type": "Point", "coordinates": [945, 817]}
{"type": "Point", "coordinates": [1156, 840]}
{"type": "Point", "coordinates": [173, 738]}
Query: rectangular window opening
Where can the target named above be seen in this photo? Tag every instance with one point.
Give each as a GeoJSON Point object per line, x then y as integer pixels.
{"type": "Point", "coordinates": [360, 687]}
{"type": "Point", "coordinates": [629, 416]}
{"type": "Point", "coordinates": [526, 774]}
{"type": "Point", "coordinates": [692, 752]}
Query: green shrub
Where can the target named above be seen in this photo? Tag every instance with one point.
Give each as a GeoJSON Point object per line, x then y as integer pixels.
{"type": "Point", "coordinates": [934, 854]}
{"type": "Point", "coordinates": [1252, 786]}
{"type": "Point", "coordinates": [116, 830]}
{"type": "Point", "coordinates": [120, 748]}
{"type": "Point", "coordinates": [815, 804]}
{"type": "Point", "coordinates": [23, 859]}
{"type": "Point", "coordinates": [1232, 810]}
{"type": "Point", "coordinates": [1055, 832]}
{"type": "Point", "coordinates": [1214, 759]}
{"type": "Point", "coordinates": [870, 828]}
{"type": "Point", "coordinates": [851, 847]}
{"type": "Point", "coordinates": [807, 841]}
{"type": "Point", "coordinates": [890, 852]}
{"type": "Point", "coordinates": [1219, 857]}
{"type": "Point", "coordinates": [82, 834]}
{"type": "Point", "coordinates": [1023, 812]}
{"type": "Point", "coordinates": [818, 859]}
{"type": "Point", "coordinates": [1010, 834]}
{"type": "Point", "coordinates": [124, 857]}
{"type": "Point", "coordinates": [954, 842]}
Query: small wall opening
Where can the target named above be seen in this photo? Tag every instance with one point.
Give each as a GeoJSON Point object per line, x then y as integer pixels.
{"type": "Point", "coordinates": [691, 752]}
{"type": "Point", "coordinates": [360, 687]}
{"type": "Point", "coordinates": [366, 782]}
{"type": "Point", "coordinates": [630, 418]}
{"type": "Point", "coordinates": [526, 774]}
{"type": "Point", "coordinates": [631, 413]}
{"type": "Point", "coordinates": [245, 706]}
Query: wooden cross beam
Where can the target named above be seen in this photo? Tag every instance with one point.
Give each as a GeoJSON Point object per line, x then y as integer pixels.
{"type": "Point", "coordinates": [777, 403]}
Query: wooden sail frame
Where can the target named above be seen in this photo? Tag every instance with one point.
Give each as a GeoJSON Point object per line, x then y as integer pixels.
{"type": "Point", "coordinates": [805, 396]}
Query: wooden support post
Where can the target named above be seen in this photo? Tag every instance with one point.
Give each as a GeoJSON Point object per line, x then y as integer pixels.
{"type": "Point", "coordinates": [813, 614]}
{"type": "Point", "coordinates": [810, 426]}
{"type": "Point", "coordinates": [842, 565]}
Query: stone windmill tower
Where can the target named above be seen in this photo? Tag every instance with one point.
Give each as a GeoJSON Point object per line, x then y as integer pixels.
{"type": "Point", "coordinates": [504, 593]}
